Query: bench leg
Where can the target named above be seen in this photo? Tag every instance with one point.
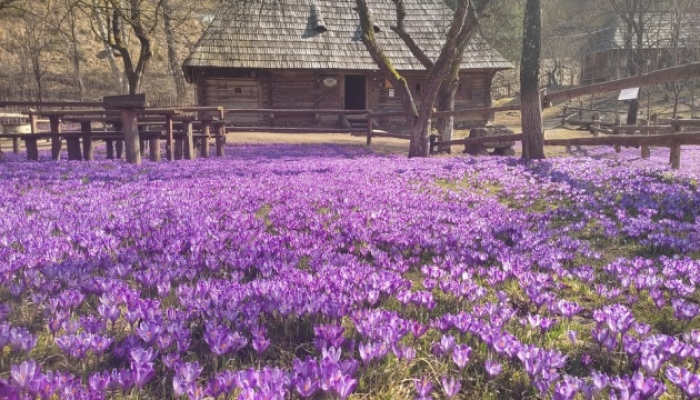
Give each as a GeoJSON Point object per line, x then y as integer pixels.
{"type": "Point", "coordinates": [15, 145]}
{"type": "Point", "coordinates": [178, 149]}
{"type": "Point", "coordinates": [32, 149]}
{"type": "Point", "coordinates": [120, 149]}
{"type": "Point", "coordinates": [154, 145]}
{"type": "Point", "coordinates": [144, 148]}
{"type": "Point", "coordinates": [110, 149]}
{"type": "Point", "coordinates": [56, 148]}
{"type": "Point", "coordinates": [73, 145]}
{"type": "Point", "coordinates": [205, 147]}
{"type": "Point", "coordinates": [88, 154]}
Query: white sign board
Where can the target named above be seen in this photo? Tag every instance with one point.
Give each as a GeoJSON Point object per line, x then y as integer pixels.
{"type": "Point", "coordinates": [629, 94]}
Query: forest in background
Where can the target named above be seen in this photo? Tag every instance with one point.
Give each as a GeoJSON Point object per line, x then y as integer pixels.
{"type": "Point", "coordinates": [85, 49]}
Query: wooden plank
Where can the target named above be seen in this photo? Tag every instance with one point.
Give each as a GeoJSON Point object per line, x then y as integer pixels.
{"type": "Point", "coordinates": [88, 153]}
{"type": "Point", "coordinates": [292, 130]}
{"type": "Point", "coordinates": [55, 123]}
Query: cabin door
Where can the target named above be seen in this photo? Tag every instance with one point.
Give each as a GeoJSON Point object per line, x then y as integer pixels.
{"type": "Point", "coordinates": [355, 92]}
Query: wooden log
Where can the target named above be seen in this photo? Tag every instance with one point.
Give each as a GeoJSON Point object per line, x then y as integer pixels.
{"type": "Point", "coordinates": [665, 75]}
{"type": "Point", "coordinates": [55, 123]}
{"type": "Point", "coordinates": [675, 156]}
{"type": "Point", "coordinates": [220, 139]}
{"type": "Point", "coordinates": [188, 141]}
{"type": "Point", "coordinates": [15, 145]}
{"type": "Point", "coordinates": [206, 131]}
{"type": "Point", "coordinates": [131, 136]}
{"type": "Point", "coordinates": [170, 144]}
{"type": "Point", "coordinates": [32, 146]}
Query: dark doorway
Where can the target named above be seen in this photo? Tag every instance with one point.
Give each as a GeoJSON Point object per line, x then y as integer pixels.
{"type": "Point", "coordinates": [355, 92]}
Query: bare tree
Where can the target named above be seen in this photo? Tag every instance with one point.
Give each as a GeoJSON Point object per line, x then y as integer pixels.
{"type": "Point", "coordinates": [418, 117]}
{"type": "Point", "coordinates": [122, 18]}
{"type": "Point", "coordinates": [531, 103]}
{"type": "Point", "coordinates": [173, 62]}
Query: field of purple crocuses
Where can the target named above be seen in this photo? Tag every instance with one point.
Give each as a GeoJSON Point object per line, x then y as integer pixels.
{"type": "Point", "coordinates": [328, 272]}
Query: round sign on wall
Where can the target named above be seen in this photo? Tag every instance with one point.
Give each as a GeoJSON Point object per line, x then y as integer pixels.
{"type": "Point", "coordinates": [330, 82]}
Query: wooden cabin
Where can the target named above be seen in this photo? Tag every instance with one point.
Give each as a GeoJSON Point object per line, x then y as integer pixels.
{"type": "Point", "coordinates": [605, 56]}
{"type": "Point", "coordinates": [308, 54]}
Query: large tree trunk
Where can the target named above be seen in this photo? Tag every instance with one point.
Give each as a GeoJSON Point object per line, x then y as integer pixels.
{"type": "Point", "coordinates": [419, 130]}
{"type": "Point", "coordinates": [531, 103]}
{"type": "Point", "coordinates": [116, 72]}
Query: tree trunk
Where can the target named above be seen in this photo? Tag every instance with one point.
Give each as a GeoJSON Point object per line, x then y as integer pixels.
{"type": "Point", "coordinates": [531, 103]}
{"type": "Point", "coordinates": [446, 102]}
{"type": "Point", "coordinates": [116, 73]}
{"type": "Point", "coordinates": [175, 70]}
{"type": "Point", "coordinates": [419, 145]}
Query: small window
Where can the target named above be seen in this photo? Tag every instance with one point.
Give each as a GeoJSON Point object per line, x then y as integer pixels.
{"type": "Point", "coordinates": [239, 90]}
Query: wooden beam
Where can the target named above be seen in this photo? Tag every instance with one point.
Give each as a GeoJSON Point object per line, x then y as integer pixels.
{"type": "Point", "coordinates": [665, 75]}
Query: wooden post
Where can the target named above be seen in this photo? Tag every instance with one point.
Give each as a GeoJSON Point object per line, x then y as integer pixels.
{"type": "Point", "coordinates": [170, 143]}
{"type": "Point", "coordinates": [31, 144]}
{"type": "Point", "coordinates": [178, 149]}
{"type": "Point", "coordinates": [73, 145]}
{"type": "Point", "coordinates": [188, 141]}
{"type": "Point", "coordinates": [154, 148]}
{"type": "Point", "coordinates": [676, 149]}
{"type": "Point", "coordinates": [131, 136]}
{"type": "Point", "coordinates": [433, 143]}
{"type": "Point", "coordinates": [646, 150]}
{"type": "Point", "coordinates": [32, 148]}
{"type": "Point", "coordinates": [595, 124]}
{"type": "Point", "coordinates": [369, 128]}
{"type": "Point", "coordinates": [580, 110]}
{"type": "Point", "coordinates": [119, 144]}
{"type": "Point", "coordinates": [563, 116]}
{"type": "Point", "coordinates": [220, 138]}
{"type": "Point", "coordinates": [617, 122]}
{"type": "Point", "coordinates": [86, 129]}
{"type": "Point", "coordinates": [55, 124]}
{"type": "Point", "coordinates": [206, 131]}
{"type": "Point", "coordinates": [15, 145]}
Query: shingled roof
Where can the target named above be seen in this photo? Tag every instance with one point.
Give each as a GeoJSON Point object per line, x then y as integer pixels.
{"type": "Point", "coordinates": [325, 34]}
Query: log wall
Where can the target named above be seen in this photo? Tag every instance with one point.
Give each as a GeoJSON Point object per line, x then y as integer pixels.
{"type": "Point", "coordinates": [305, 89]}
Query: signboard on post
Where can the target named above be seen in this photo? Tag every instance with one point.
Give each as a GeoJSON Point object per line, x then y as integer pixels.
{"type": "Point", "coordinates": [629, 94]}
{"type": "Point", "coordinates": [124, 101]}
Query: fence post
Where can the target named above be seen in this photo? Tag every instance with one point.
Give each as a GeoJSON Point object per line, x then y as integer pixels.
{"type": "Point", "coordinates": [595, 124]}
{"type": "Point", "coordinates": [676, 148]}
{"type": "Point", "coordinates": [433, 143]}
{"type": "Point", "coordinates": [169, 140]}
{"type": "Point", "coordinates": [369, 127]}
{"type": "Point", "coordinates": [55, 124]}
{"type": "Point", "coordinates": [646, 150]}
{"type": "Point", "coordinates": [563, 116]}
{"type": "Point", "coordinates": [86, 129]}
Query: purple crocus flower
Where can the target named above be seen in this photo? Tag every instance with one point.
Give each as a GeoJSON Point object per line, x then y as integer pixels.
{"type": "Point", "coordinates": [460, 356]}
{"type": "Point", "coordinates": [423, 386]}
{"type": "Point", "coordinates": [23, 374]}
{"type": "Point", "coordinates": [493, 368]}
{"type": "Point", "coordinates": [450, 386]}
